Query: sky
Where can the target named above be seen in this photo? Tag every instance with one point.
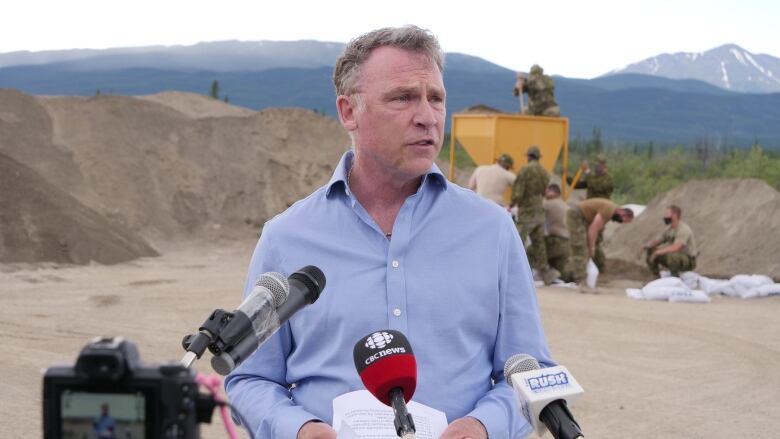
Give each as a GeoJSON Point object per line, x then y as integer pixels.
{"type": "Point", "coordinates": [581, 39]}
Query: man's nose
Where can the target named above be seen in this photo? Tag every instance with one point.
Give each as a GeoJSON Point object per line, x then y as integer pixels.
{"type": "Point", "coordinates": [425, 115]}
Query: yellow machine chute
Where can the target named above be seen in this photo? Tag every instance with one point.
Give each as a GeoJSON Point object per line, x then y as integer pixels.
{"type": "Point", "coordinates": [485, 136]}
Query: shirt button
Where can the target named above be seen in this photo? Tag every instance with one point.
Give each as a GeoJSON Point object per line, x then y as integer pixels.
{"type": "Point", "coordinates": [395, 264]}
{"type": "Point", "coordinates": [397, 312]}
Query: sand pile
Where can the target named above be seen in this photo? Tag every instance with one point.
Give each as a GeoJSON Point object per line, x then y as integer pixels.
{"type": "Point", "coordinates": [39, 222]}
{"type": "Point", "coordinates": [173, 165]}
{"type": "Point", "coordinates": [197, 106]}
{"type": "Point", "coordinates": [735, 223]}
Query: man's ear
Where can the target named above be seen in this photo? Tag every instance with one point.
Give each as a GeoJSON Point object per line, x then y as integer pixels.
{"type": "Point", "coordinates": [347, 112]}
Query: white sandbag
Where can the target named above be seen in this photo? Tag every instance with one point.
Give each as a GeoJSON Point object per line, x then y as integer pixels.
{"type": "Point", "coordinates": [689, 296]}
{"type": "Point", "coordinates": [715, 286]}
{"type": "Point", "coordinates": [762, 291]}
{"type": "Point", "coordinates": [592, 274]}
{"type": "Point", "coordinates": [672, 289]}
{"type": "Point", "coordinates": [665, 282]}
{"type": "Point", "coordinates": [690, 279]}
{"type": "Point", "coordinates": [751, 280]}
{"type": "Point", "coordinates": [743, 283]}
{"type": "Point", "coordinates": [634, 293]}
{"type": "Point", "coordinates": [663, 292]}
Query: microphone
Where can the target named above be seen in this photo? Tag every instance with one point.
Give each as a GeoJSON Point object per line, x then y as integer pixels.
{"type": "Point", "coordinates": [543, 394]}
{"type": "Point", "coordinates": [386, 365]}
{"type": "Point", "coordinates": [302, 288]}
{"type": "Point", "coordinates": [256, 312]}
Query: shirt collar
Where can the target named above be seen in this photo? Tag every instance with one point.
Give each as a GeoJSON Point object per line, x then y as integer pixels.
{"type": "Point", "coordinates": [338, 181]}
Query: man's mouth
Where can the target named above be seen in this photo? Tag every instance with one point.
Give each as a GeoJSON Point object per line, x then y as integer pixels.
{"type": "Point", "coordinates": [423, 142]}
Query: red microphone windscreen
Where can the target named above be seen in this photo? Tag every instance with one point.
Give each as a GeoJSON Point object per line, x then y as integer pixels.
{"type": "Point", "coordinates": [384, 360]}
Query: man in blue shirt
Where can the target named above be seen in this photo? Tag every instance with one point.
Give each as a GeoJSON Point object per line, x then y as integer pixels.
{"type": "Point", "coordinates": [104, 425]}
{"type": "Point", "coordinates": [402, 248]}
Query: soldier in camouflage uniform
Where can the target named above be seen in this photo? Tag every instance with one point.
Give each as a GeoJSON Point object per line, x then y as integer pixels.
{"type": "Point", "coordinates": [541, 93]}
{"type": "Point", "coordinates": [556, 232]}
{"type": "Point", "coordinates": [675, 249]}
{"type": "Point", "coordinates": [527, 195]}
{"type": "Point", "coordinates": [585, 221]}
{"type": "Point", "coordinates": [598, 185]}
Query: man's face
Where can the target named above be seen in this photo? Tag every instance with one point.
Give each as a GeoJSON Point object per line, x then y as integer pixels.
{"type": "Point", "coordinates": [601, 169]}
{"type": "Point", "coordinates": [669, 216]}
{"type": "Point", "coordinates": [550, 194]}
{"type": "Point", "coordinates": [399, 127]}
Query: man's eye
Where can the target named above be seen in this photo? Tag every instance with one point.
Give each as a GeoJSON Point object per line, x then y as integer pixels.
{"type": "Point", "coordinates": [403, 98]}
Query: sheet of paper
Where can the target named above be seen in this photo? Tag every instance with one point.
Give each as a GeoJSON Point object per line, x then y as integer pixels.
{"type": "Point", "coordinates": [367, 418]}
{"type": "Point", "coordinates": [345, 432]}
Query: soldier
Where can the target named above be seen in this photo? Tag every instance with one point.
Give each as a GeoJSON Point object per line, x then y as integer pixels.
{"type": "Point", "coordinates": [491, 181]}
{"type": "Point", "coordinates": [541, 93]}
{"type": "Point", "coordinates": [599, 185]}
{"type": "Point", "coordinates": [585, 221]}
{"type": "Point", "coordinates": [675, 249]}
{"type": "Point", "coordinates": [527, 194]}
{"type": "Point", "coordinates": [557, 234]}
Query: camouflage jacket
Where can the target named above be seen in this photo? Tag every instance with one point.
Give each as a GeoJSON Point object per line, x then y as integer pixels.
{"type": "Point", "coordinates": [599, 186]}
{"type": "Point", "coordinates": [528, 191]}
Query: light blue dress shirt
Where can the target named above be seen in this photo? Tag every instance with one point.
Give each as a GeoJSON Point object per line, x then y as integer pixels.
{"type": "Point", "coordinates": [454, 279]}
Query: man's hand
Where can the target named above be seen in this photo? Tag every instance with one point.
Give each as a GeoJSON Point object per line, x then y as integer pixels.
{"type": "Point", "coordinates": [465, 428]}
{"type": "Point", "coordinates": [584, 166]}
{"type": "Point", "coordinates": [316, 430]}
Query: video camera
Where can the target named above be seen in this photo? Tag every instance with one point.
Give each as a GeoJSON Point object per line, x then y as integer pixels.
{"type": "Point", "coordinates": [109, 393]}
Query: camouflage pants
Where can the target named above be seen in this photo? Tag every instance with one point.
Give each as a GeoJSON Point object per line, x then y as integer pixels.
{"type": "Point", "coordinates": [578, 244]}
{"type": "Point", "coordinates": [598, 255]}
{"type": "Point", "coordinates": [536, 250]}
{"type": "Point", "coordinates": [675, 262]}
{"type": "Point", "coordinates": [557, 252]}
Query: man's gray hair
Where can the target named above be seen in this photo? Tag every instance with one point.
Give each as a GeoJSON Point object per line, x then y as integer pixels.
{"type": "Point", "coordinates": [408, 37]}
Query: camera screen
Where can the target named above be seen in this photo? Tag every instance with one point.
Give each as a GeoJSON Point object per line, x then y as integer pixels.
{"type": "Point", "coordinates": [102, 415]}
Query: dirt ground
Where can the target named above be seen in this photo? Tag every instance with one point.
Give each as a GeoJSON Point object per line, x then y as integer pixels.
{"type": "Point", "coordinates": [650, 369]}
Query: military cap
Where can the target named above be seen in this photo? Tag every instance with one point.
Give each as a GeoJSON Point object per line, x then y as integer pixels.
{"type": "Point", "coordinates": [506, 159]}
{"type": "Point", "coordinates": [533, 151]}
{"type": "Point", "coordinates": [601, 158]}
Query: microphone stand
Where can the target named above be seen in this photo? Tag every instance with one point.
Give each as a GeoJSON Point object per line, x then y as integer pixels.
{"type": "Point", "coordinates": [404, 424]}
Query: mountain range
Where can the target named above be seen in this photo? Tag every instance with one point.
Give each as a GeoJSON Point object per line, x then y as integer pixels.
{"type": "Point", "coordinates": [729, 67]}
{"type": "Point", "coordinates": [625, 106]}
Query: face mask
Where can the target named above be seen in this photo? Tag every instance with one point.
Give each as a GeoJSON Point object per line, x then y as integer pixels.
{"type": "Point", "coordinates": [667, 220]}
{"type": "Point", "coordinates": [617, 218]}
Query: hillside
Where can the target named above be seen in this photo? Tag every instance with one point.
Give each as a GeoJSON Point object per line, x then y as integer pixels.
{"type": "Point", "coordinates": [734, 223]}
{"type": "Point", "coordinates": [39, 222]}
{"type": "Point", "coordinates": [166, 174]}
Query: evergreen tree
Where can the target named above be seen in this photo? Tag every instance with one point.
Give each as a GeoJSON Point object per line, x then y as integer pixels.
{"type": "Point", "coordinates": [215, 89]}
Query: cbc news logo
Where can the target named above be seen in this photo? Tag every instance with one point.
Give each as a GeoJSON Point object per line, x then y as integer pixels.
{"type": "Point", "coordinates": [378, 340]}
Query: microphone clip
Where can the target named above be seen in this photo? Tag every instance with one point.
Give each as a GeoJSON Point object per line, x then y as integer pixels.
{"type": "Point", "coordinates": [209, 336]}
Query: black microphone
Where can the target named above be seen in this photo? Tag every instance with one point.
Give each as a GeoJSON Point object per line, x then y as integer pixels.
{"type": "Point", "coordinates": [543, 394]}
{"type": "Point", "coordinates": [302, 288]}
{"type": "Point", "coordinates": [223, 329]}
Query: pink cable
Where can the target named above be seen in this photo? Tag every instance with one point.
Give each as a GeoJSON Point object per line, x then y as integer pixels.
{"type": "Point", "coordinates": [214, 383]}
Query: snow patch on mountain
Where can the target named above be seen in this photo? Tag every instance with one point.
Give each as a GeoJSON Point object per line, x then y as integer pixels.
{"type": "Point", "coordinates": [724, 74]}
{"type": "Point", "coordinates": [739, 56]}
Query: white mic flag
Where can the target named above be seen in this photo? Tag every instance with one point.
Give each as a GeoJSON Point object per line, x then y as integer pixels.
{"type": "Point", "coordinates": [535, 388]}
